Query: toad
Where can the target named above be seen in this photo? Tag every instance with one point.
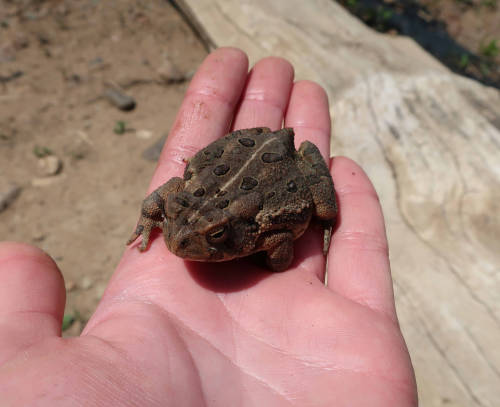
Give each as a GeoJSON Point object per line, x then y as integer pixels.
{"type": "Point", "coordinates": [250, 191]}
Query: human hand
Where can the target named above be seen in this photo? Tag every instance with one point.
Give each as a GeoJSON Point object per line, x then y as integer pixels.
{"type": "Point", "coordinates": [175, 333]}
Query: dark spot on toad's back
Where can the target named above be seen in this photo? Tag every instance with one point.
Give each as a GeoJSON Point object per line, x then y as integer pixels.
{"type": "Point", "coordinates": [199, 192]}
{"type": "Point", "coordinates": [218, 153]}
{"type": "Point", "coordinates": [221, 169]}
{"type": "Point", "coordinates": [248, 183]}
{"type": "Point", "coordinates": [247, 142]}
{"type": "Point", "coordinates": [271, 157]}
{"type": "Point", "coordinates": [222, 204]}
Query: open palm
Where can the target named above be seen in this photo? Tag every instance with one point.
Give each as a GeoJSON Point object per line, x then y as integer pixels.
{"type": "Point", "coordinates": [174, 333]}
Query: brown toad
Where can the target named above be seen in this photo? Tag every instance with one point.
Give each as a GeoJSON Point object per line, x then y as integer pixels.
{"type": "Point", "coordinates": [247, 192]}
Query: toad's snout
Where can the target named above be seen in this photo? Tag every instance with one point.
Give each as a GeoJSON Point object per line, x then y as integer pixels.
{"type": "Point", "coordinates": [190, 246]}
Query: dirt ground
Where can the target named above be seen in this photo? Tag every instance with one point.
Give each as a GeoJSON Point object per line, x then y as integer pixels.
{"type": "Point", "coordinates": [463, 34]}
{"type": "Point", "coordinates": [60, 56]}
{"type": "Point", "coordinates": [475, 25]}
{"type": "Point", "coordinates": [74, 165]}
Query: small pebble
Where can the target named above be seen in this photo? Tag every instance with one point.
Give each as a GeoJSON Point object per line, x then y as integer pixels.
{"type": "Point", "coordinates": [86, 283]}
{"type": "Point", "coordinates": [168, 72]}
{"type": "Point", "coordinates": [49, 165]}
{"type": "Point", "coordinates": [21, 41]}
{"type": "Point", "coordinates": [119, 99]}
{"type": "Point", "coordinates": [144, 134]}
{"type": "Point", "coordinates": [46, 181]}
{"type": "Point", "coordinates": [8, 193]}
{"type": "Point", "coordinates": [38, 237]}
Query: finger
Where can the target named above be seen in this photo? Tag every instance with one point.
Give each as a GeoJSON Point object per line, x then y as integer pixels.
{"type": "Point", "coordinates": [266, 95]}
{"type": "Point", "coordinates": [206, 111]}
{"type": "Point", "coordinates": [309, 116]}
{"type": "Point", "coordinates": [358, 258]}
{"type": "Point", "coordinates": [205, 114]}
{"type": "Point", "coordinates": [32, 297]}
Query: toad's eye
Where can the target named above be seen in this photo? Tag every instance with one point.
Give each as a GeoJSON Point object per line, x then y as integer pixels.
{"type": "Point", "coordinates": [217, 235]}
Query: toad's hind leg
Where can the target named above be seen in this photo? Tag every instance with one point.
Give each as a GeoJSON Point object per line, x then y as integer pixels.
{"type": "Point", "coordinates": [279, 252]}
{"type": "Point", "coordinates": [153, 211]}
{"type": "Point", "coordinates": [320, 184]}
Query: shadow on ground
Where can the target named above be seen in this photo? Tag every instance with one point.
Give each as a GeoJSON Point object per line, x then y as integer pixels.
{"type": "Point", "coordinates": [408, 17]}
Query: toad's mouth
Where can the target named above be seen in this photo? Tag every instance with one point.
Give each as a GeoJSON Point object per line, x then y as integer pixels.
{"type": "Point", "coordinates": [194, 247]}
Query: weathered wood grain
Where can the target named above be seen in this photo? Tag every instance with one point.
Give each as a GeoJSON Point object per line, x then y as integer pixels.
{"type": "Point", "coordinates": [430, 142]}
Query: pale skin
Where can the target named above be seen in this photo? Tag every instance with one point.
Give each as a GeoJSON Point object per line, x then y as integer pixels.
{"type": "Point", "coordinates": [173, 333]}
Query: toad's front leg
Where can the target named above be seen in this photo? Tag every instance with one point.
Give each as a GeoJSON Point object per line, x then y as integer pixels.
{"type": "Point", "coordinates": [153, 211]}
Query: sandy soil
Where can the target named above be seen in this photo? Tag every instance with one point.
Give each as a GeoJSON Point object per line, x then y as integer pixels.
{"type": "Point", "coordinates": [56, 60]}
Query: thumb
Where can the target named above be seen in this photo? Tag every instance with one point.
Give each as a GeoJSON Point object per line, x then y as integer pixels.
{"type": "Point", "coordinates": [32, 298]}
